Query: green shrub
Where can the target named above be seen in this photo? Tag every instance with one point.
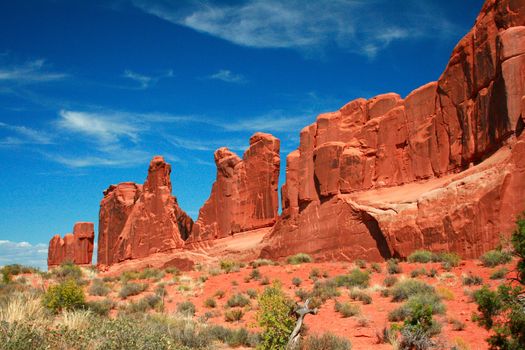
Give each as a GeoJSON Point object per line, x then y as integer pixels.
{"type": "Point", "coordinates": [229, 266]}
{"type": "Point", "coordinates": [233, 315]}
{"type": "Point", "coordinates": [255, 274]}
{"type": "Point", "coordinates": [392, 266]}
{"type": "Point", "coordinates": [356, 278]}
{"type": "Point", "coordinates": [98, 288]}
{"type": "Point", "coordinates": [151, 273]}
{"type": "Point", "coordinates": [360, 263]}
{"type": "Point", "coordinates": [390, 281]}
{"type": "Point", "coordinates": [299, 259]}
{"type": "Point", "coordinates": [420, 256]}
{"type": "Point", "coordinates": [416, 304]}
{"type": "Point", "coordinates": [418, 272]}
{"type": "Point", "coordinates": [324, 290]}
{"type": "Point", "coordinates": [102, 307]}
{"type": "Point", "coordinates": [302, 294]}
{"type": "Point", "coordinates": [499, 274]}
{"type": "Point", "coordinates": [67, 295]}
{"type": "Point", "coordinates": [132, 288]}
{"type": "Point", "coordinates": [252, 293]}
{"type": "Point", "coordinates": [238, 300]}
{"type": "Point", "coordinates": [327, 341]}
{"type": "Point", "coordinates": [376, 267]}
{"type": "Point", "coordinates": [404, 289]}
{"type": "Point", "coordinates": [210, 303]}
{"type": "Point", "coordinates": [347, 309]}
{"type": "Point", "coordinates": [494, 258]}
{"type": "Point", "coordinates": [262, 262]}
{"type": "Point", "coordinates": [296, 281]}
{"type": "Point", "coordinates": [448, 260]}
{"type": "Point", "coordinates": [276, 317]}
{"type": "Point", "coordinates": [219, 294]}
{"type": "Point", "coordinates": [146, 303]}
{"type": "Point", "coordinates": [356, 294]}
{"type": "Point", "coordinates": [173, 270]}
{"type": "Point", "coordinates": [186, 308]}
{"type": "Point", "coordinates": [471, 280]}
{"type": "Point", "coordinates": [68, 270]}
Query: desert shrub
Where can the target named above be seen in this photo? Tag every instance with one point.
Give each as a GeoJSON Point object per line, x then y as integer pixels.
{"type": "Point", "coordinates": [229, 266]}
{"type": "Point", "coordinates": [233, 315]}
{"type": "Point", "coordinates": [392, 266]}
{"type": "Point", "coordinates": [457, 325]}
{"type": "Point", "coordinates": [219, 294]}
{"type": "Point", "coordinates": [360, 263]}
{"type": "Point", "coordinates": [172, 270]}
{"type": "Point", "coordinates": [471, 280]}
{"type": "Point", "coordinates": [302, 294]}
{"type": "Point", "coordinates": [67, 295]}
{"type": "Point", "coordinates": [347, 309]}
{"type": "Point", "coordinates": [186, 308]}
{"type": "Point", "coordinates": [255, 274]}
{"type": "Point", "coordinates": [445, 293]}
{"type": "Point", "coordinates": [296, 281]}
{"type": "Point", "coordinates": [404, 289]}
{"type": "Point", "coordinates": [100, 307]}
{"type": "Point", "coordinates": [151, 273]}
{"type": "Point", "coordinates": [448, 260]}
{"type": "Point", "coordinates": [390, 281]}
{"type": "Point", "coordinates": [252, 293]}
{"type": "Point", "coordinates": [238, 300]}
{"type": "Point", "coordinates": [98, 288]}
{"type": "Point", "coordinates": [495, 257]}
{"type": "Point", "coordinates": [131, 288]}
{"type": "Point", "coordinates": [399, 314]}
{"type": "Point", "coordinates": [275, 316]}
{"type": "Point", "coordinates": [15, 269]}
{"type": "Point", "coordinates": [262, 262]}
{"type": "Point", "coordinates": [414, 304]}
{"type": "Point", "coordinates": [432, 272]}
{"type": "Point", "coordinates": [265, 281]}
{"type": "Point", "coordinates": [420, 256]}
{"type": "Point", "coordinates": [68, 270]}
{"type": "Point", "coordinates": [315, 273]}
{"type": "Point", "coordinates": [362, 296]}
{"type": "Point", "coordinates": [128, 276]}
{"type": "Point", "coordinates": [499, 274]}
{"type": "Point", "coordinates": [418, 272]}
{"type": "Point", "coordinates": [415, 338]}
{"type": "Point", "coordinates": [325, 342]}
{"type": "Point", "coordinates": [146, 303]}
{"type": "Point", "coordinates": [299, 259]}
{"type": "Point", "coordinates": [210, 303]}
{"type": "Point", "coordinates": [356, 278]}
{"type": "Point", "coordinates": [376, 267]}
{"type": "Point", "coordinates": [324, 290]}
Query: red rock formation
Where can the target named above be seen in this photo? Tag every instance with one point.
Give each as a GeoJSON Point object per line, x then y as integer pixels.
{"type": "Point", "coordinates": [139, 220]}
{"type": "Point", "coordinates": [244, 196]}
{"type": "Point", "coordinates": [338, 198]}
{"type": "Point", "coordinates": [76, 247]}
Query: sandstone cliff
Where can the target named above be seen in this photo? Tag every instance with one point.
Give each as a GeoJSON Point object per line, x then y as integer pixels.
{"type": "Point", "coordinates": [244, 196]}
{"type": "Point", "coordinates": [76, 248]}
{"type": "Point", "coordinates": [441, 169]}
{"type": "Point", "coordinates": [136, 221]}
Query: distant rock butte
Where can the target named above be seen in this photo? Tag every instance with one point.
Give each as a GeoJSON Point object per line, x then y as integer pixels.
{"type": "Point", "coordinates": [139, 220]}
{"type": "Point", "coordinates": [382, 177]}
{"type": "Point", "coordinates": [76, 248]}
{"type": "Point", "coordinates": [244, 196]}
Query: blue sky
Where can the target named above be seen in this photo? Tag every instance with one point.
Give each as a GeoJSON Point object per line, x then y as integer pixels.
{"type": "Point", "coordinates": [91, 90]}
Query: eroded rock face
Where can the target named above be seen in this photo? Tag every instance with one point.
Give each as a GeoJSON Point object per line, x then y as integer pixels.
{"type": "Point", "coordinates": [244, 196]}
{"type": "Point", "coordinates": [76, 247]}
{"type": "Point", "coordinates": [437, 132]}
{"type": "Point", "coordinates": [139, 220]}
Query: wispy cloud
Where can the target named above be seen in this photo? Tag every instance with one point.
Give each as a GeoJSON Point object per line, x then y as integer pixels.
{"type": "Point", "coordinates": [146, 81]}
{"type": "Point", "coordinates": [29, 72]}
{"type": "Point", "coordinates": [24, 135]}
{"type": "Point", "coordinates": [124, 159]}
{"type": "Point", "coordinates": [23, 253]}
{"type": "Point", "coordinates": [228, 77]}
{"type": "Point", "coordinates": [273, 121]}
{"type": "Point", "coordinates": [356, 25]}
{"type": "Point", "coordinates": [234, 144]}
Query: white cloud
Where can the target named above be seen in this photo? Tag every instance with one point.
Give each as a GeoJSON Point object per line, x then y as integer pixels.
{"type": "Point", "coordinates": [125, 158]}
{"type": "Point", "coordinates": [357, 25]}
{"type": "Point", "coordinates": [29, 72]}
{"type": "Point", "coordinates": [228, 76]}
{"type": "Point", "coordinates": [23, 253]}
{"type": "Point", "coordinates": [274, 121]}
{"type": "Point", "coordinates": [146, 81]}
{"type": "Point", "coordinates": [24, 135]}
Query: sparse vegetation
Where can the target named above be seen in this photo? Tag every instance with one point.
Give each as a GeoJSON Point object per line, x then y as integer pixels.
{"type": "Point", "coordinates": [499, 273]}
{"type": "Point", "coordinates": [347, 309]}
{"type": "Point", "coordinates": [186, 308]}
{"type": "Point", "coordinates": [67, 295]}
{"type": "Point", "coordinates": [495, 257]}
{"type": "Point", "coordinates": [392, 266]}
{"type": "Point", "coordinates": [420, 256]}
{"type": "Point", "coordinates": [299, 259]}
{"type": "Point", "coordinates": [210, 303]}
{"type": "Point", "coordinates": [233, 315]}
{"type": "Point", "coordinates": [327, 341]}
{"type": "Point", "coordinates": [229, 266]}
{"type": "Point", "coordinates": [356, 278]}
{"type": "Point", "coordinates": [296, 281]}
{"type": "Point", "coordinates": [404, 289]}
{"type": "Point", "coordinates": [98, 288]}
{"type": "Point", "coordinates": [360, 295]}
{"type": "Point", "coordinates": [471, 280]}
{"type": "Point", "coordinates": [132, 288]}
{"type": "Point", "coordinates": [390, 281]}
{"type": "Point", "coordinates": [237, 300]}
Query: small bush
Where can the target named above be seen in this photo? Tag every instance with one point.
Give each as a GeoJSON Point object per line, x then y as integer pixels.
{"type": "Point", "coordinates": [67, 295]}
{"type": "Point", "coordinates": [98, 288]}
{"type": "Point", "coordinates": [132, 288]}
{"type": "Point", "coordinates": [404, 289]}
{"type": "Point", "coordinates": [418, 272]}
{"type": "Point", "coordinates": [151, 273]}
{"type": "Point", "coordinates": [356, 278]}
{"type": "Point", "coordinates": [347, 309]}
{"type": "Point", "coordinates": [360, 263]}
{"type": "Point", "coordinates": [448, 260]}
{"type": "Point", "coordinates": [262, 262]}
{"type": "Point", "coordinates": [102, 307]}
{"type": "Point", "coordinates": [392, 266]}
{"type": "Point", "coordinates": [445, 293]}
{"type": "Point", "coordinates": [68, 270]}
{"type": "Point", "coordinates": [255, 274]}
{"type": "Point", "coordinates": [238, 300]}
{"type": "Point", "coordinates": [275, 316]}
{"type": "Point", "coordinates": [499, 274]}
{"type": "Point", "coordinates": [299, 259]}
{"type": "Point", "coordinates": [173, 270]}
{"type": "Point", "coordinates": [432, 272]}
{"type": "Point", "coordinates": [186, 308]}
{"type": "Point", "coordinates": [252, 293]}
{"type": "Point", "coordinates": [210, 303]}
{"type": "Point", "coordinates": [324, 290]}
{"type": "Point", "coordinates": [296, 281]}
{"type": "Point", "coordinates": [315, 273]}
{"type": "Point", "coordinates": [356, 294]}
{"type": "Point", "coordinates": [233, 315]}
{"type": "Point", "coordinates": [229, 266]}
{"type": "Point", "coordinates": [302, 294]}
{"type": "Point", "coordinates": [376, 267]}
{"type": "Point", "coordinates": [494, 258]}
{"type": "Point", "coordinates": [265, 281]}
{"type": "Point", "coordinates": [471, 280]}
{"type": "Point", "coordinates": [457, 325]}
{"type": "Point", "coordinates": [327, 341]}
{"type": "Point", "coordinates": [420, 256]}
{"type": "Point", "coordinates": [390, 281]}
{"type": "Point", "coordinates": [219, 293]}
